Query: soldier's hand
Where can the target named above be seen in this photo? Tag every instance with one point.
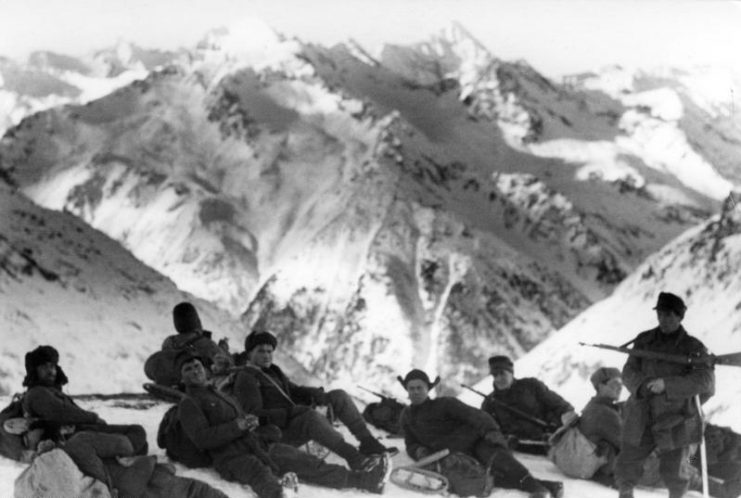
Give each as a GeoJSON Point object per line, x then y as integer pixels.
{"type": "Point", "coordinates": [568, 417]}
{"type": "Point", "coordinates": [495, 437]}
{"type": "Point", "coordinates": [656, 386]}
{"type": "Point", "coordinates": [247, 422]}
{"type": "Point", "coordinates": [422, 452]}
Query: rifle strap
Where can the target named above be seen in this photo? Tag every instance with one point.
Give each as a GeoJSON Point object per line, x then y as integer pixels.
{"type": "Point", "coordinates": [272, 381]}
{"type": "Point", "coordinates": [629, 342]}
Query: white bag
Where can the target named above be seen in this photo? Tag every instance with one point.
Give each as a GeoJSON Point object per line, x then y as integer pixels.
{"type": "Point", "coordinates": [574, 454]}
{"type": "Point", "coordinates": [55, 474]}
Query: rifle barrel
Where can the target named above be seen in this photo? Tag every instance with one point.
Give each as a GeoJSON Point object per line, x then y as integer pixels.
{"type": "Point", "coordinates": [512, 409]}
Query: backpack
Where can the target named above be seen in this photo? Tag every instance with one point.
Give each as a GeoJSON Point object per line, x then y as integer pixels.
{"type": "Point", "coordinates": [177, 445]}
{"type": "Point", "coordinates": [574, 454]}
{"type": "Point", "coordinates": [466, 476]}
{"type": "Point", "coordinates": [11, 445]}
{"type": "Point", "coordinates": [161, 366]}
{"type": "Point", "coordinates": [384, 415]}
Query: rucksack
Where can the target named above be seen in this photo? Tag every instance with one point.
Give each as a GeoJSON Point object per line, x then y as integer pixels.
{"type": "Point", "coordinates": [55, 474]}
{"type": "Point", "coordinates": [177, 445]}
{"type": "Point", "coordinates": [574, 454]}
{"type": "Point", "coordinates": [384, 415]}
{"type": "Point", "coordinates": [466, 476]}
{"type": "Point", "coordinates": [161, 366]}
{"type": "Point", "coordinates": [11, 445]}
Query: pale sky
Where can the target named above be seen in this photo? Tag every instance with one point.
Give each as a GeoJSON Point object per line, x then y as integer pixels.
{"type": "Point", "coordinates": [555, 36]}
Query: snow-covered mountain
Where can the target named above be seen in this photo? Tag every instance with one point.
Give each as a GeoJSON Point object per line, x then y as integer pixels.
{"type": "Point", "coordinates": [48, 79]}
{"type": "Point", "coordinates": [422, 208]}
{"type": "Point", "coordinates": [701, 266]}
{"type": "Point", "coordinates": [66, 284]}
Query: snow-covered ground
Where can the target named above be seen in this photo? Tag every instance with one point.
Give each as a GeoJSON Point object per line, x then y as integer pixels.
{"type": "Point", "coordinates": [125, 412]}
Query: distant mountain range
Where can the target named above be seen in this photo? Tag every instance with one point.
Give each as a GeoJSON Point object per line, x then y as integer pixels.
{"type": "Point", "coordinates": [426, 207]}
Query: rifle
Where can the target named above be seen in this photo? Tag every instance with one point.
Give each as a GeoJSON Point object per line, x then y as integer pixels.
{"type": "Point", "coordinates": [731, 359]}
{"type": "Point", "coordinates": [383, 397]}
{"type": "Point", "coordinates": [525, 416]}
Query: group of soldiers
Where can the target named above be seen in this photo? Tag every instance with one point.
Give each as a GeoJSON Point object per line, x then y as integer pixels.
{"type": "Point", "coordinates": [252, 420]}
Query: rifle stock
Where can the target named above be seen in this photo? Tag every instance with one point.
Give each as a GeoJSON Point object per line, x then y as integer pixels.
{"type": "Point", "coordinates": [383, 397]}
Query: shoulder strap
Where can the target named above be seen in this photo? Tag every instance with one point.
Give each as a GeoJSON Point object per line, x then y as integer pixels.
{"type": "Point", "coordinates": [272, 381]}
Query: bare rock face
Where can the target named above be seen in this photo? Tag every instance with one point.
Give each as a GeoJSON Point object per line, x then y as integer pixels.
{"type": "Point", "coordinates": [374, 220]}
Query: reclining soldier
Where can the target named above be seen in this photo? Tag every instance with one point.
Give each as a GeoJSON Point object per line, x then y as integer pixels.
{"type": "Point", "coordinates": [264, 390]}
{"type": "Point", "coordinates": [431, 425]}
{"type": "Point", "coordinates": [524, 408]}
{"type": "Point", "coordinates": [216, 423]}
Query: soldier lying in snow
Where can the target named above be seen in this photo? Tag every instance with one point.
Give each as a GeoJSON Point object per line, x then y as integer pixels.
{"type": "Point", "coordinates": [431, 425]}
{"type": "Point", "coordinates": [264, 390]}
{"type": "Point", "coordinates": [112, 454]}
{"type": "Point", "coordinates": [216, 423]}
{"type": "Point", "coordinates": [526, 396]}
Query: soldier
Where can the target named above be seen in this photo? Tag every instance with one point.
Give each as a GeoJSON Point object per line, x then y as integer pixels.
{"type": "Point", "coordinates": [215, 423]}
{"type": "Point", "coordinates": [264, 390]}
{"type": "Point", "coordinates": [431, 425]}
{"type": "Point", "coordinates": [191, 334]}
{"type": "Point", "coordinates": [600, 420]}
{"type": "Point", "coordinates": [661, 412]}
{"type": "Point", "coordinates": [515, 403]}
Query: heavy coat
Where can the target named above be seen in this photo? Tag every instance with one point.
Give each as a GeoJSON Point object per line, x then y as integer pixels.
{"type": "Point", "coordinates": [260, 396]}
{"type": "Point", "coordinates": [600, 422]}
{"type": "Point", "coordinates": [531, 396]}
{"type": "Point", "coordinates": [201, 342]}
{"type": "Point", "coordinates": [51, 404]}
{"type": "Point", "coordinates": [669, 419]}
{"type": "Point", "coordinates": [444, 422]}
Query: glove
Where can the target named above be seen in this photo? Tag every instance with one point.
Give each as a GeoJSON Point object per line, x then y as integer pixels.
{"type": "Point", "coordinates": [422, 452]}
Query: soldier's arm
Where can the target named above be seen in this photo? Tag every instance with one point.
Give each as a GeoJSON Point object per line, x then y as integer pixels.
{"type": "Point", "coordinates": [204, 436]}
{"type": "Point", "coordinates": [633, 376]}
{"type": "Point", "coordinates": [554, 403]}
{"type": "Point", "coordinates": [247, 392]}
{"type": "Point", "coordinates": [413, 446]}
{"type": "Point", "coordinates": [481, 421]}
{"type": "Point", "coordinates": [699, 379]}
{"type": "Point", "coordinates": [42, 403]}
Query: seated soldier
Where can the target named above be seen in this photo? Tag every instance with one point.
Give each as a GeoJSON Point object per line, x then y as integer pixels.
{"type": "Point", "coordinates": [524, 408]}
{"type": "Point", "coordinates": [264, 390]}
{"type": "Point", "coordinates": [431, 425]}
{"type": "Point", "coordinates": [600, 420]}
{"type": "Point", "coordinates": [191, 333]}
{"type": "Point", "coordinates": [215, 423]}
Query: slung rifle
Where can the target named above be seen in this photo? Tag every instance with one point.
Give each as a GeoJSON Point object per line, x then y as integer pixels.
{"type": "Point", "coordinates": [525, 416]}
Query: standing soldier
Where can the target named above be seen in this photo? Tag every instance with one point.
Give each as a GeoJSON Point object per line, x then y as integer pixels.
{"type": "Point", "coordinates": [662, 412]}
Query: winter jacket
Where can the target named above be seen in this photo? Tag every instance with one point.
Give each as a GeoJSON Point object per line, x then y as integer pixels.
{"type": "Point", "coordinates": [671, 417]}
{"type": "Point", "coordinates": [531, 396]}
{"type": "Point", "coordinates": [600, 422]}
{"type": "Point", "coordinates": [444, 422]}
{"type": "Point", "coordinates": [51, 404]}
{"type": "Point", "coordinates": [259, 392]}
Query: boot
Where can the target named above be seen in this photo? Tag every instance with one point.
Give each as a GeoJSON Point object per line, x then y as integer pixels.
{"type": "Point", "coordinates": [374, 478]}
{"type": "Point", "coordinates": [534, 488]}
{"type": "Point", "coordinates": [625, 493]}
{"type": "Point", "coordinates": [555, 488]}
{"type": "Point", "coordinates": [371, 446]}
{"type": "Point", "coordinates": [289, 485]}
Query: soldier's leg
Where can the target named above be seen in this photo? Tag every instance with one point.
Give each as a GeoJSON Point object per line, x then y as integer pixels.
{"type": "Point", "coordinates": [136, 434]}
{"type": "Point", "coordinates": [308, 467]}
{"type": "Point", "coordinates": [674, 469]}
{"type": "Point", "coordinates": [165, 484]}
{"type": "Point", "coordinates": [346, 411]}
{"type": "Point", "coordinates": [87, 449]}
{"type": "Point", "coordinates": [629, 467]}
{"type": "Point", "coordinates": [249, 470]}
{"type": "Point", "coordinates": [312, 425]}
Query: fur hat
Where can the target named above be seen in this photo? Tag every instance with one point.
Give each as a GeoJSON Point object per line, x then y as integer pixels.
{"type": "Point", "coordinates": [670, 302]}
{"type": "Point", "coordinates": [604, 374]}
{"type": "Point", "coordinates": [418, 375]}
{"type": "Point", "coordinates": [36, 358]}
{"type": "Point", "coordinates": [501, 362]}
{"type": "Point", "coordinates": [186, 319]}
{"type": "Point", "coordinates": [256, 338]}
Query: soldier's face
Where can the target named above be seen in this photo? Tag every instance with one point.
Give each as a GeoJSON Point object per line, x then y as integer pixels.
{"type": "Point", "coordinates": [262, 355]}
{"type": "Point", "coordinates": [612, 388]}
{"type": "Point", "coordinates": [47, 373]}
{"type": "Point", "coordinates": [417, 390]}
{"type": "Point", "coordinates": [502, 378]}
{"type": "Point", "coordinates": [192, 373]}
{"type": "Point", "coordinates": [669, 321]}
